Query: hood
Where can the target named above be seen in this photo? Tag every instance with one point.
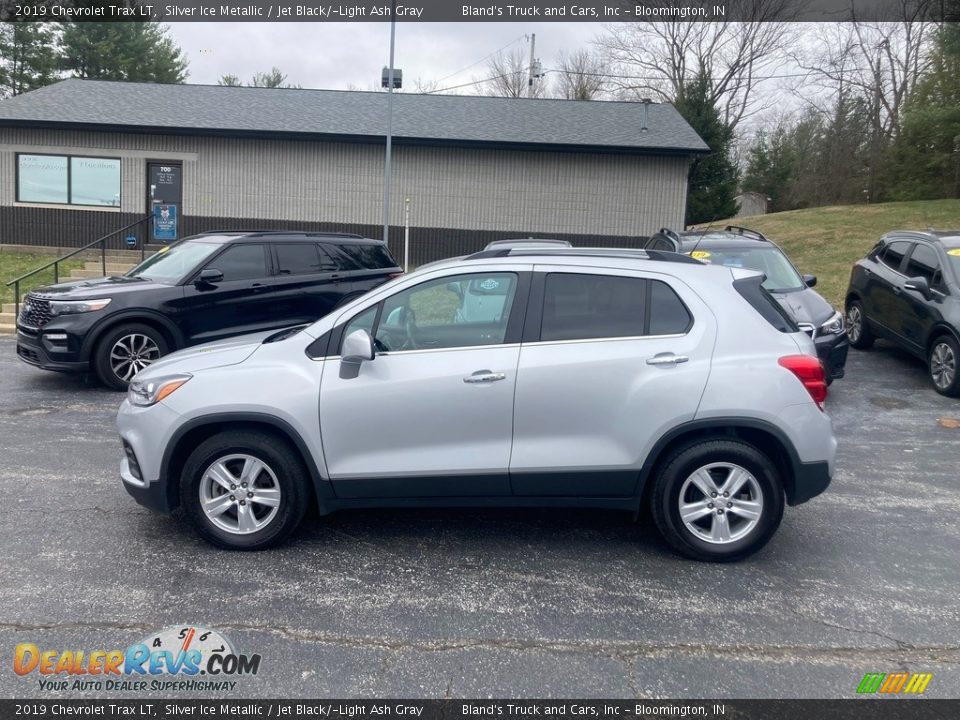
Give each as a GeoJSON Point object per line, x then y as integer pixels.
{"type": "Point", "coordinates": [96, 287]}
{"type": "Point", "coordinates": [204, 357]}
{"type": "Point", "coordinates": [805, 306]}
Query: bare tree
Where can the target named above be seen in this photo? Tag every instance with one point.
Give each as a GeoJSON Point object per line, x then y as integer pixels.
{"type": "Point", "coordinates": [661, 58]}
{"type": "Point", "coordinates": [878, 62]}
{"type": "Point", "coordinates": [508, 76]}
{"type": "Point", "coordinates": [582, 75]}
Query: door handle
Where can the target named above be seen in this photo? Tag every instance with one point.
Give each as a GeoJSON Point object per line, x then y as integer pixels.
{"type": "Point", "coordinates": [896, 290]}
{"type": "Point", "coordinates": [667, 359]}
{"type": "Point", "coordinates": [484, 376]}
{"type": "Point", "coordinates": [258, 287]}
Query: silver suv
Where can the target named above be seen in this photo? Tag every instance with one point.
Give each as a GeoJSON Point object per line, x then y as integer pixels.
{"type": "Point", "coordinates": [515, 376]}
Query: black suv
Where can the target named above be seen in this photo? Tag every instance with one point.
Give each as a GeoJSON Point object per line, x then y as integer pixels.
{"type": "Point", "coordinates": [736, 246]}
{"type": "Point", "coordinates": [907, 290]}
{"type": "Point", "coordinates": [202, 288]}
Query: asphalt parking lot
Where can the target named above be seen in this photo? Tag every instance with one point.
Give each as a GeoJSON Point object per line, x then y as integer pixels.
{"type": "Point", "coordinates": [468, 603]}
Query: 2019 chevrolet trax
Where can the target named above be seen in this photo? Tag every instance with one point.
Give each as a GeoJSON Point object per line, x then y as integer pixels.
{"type": "Point", "coordinates": [515, 376]}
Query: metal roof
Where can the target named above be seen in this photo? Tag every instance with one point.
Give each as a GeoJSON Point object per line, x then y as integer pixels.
{"type": "Point", "coordinates": [592, 126]}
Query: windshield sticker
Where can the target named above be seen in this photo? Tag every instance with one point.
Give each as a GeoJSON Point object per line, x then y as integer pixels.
{"type": "Point", "coordinates": [162, 250]}
{"type": "Point", "coordinates": [700, 254]}
{"type": "Point", "coordinates": [955, 252]}
{"type": "Point", "coordinates": [489, 285]}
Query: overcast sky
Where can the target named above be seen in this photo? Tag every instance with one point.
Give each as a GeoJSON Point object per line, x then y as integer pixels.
{"type": "Point", "coordinates": [343, 55]}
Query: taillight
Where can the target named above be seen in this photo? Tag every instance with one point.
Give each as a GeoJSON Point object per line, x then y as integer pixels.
{"type": "Point", "coordinates": [809, 371]}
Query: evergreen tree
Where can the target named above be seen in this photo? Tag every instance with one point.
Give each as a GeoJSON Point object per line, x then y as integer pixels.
{"type": "Point", "coordinates": [128, 51]}
{"type": "Point", "coordinates": [28, 57]}
{"type": "Point", "coordinates": [770, 167]}
{"type": "Point", "coordinates": [713, 178]}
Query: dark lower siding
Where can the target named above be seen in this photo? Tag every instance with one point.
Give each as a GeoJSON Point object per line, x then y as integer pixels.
{"type": "Point", "coordinates": [69, 229]}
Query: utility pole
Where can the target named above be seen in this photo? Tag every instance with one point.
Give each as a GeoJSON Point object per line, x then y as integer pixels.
{"type": "Point", "coordinates": [386, 164]}
{"type": "Point", "coordinates": [533, 42]}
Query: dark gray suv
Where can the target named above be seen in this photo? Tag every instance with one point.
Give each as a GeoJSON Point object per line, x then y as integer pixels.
{"type": "Point", "coordinates": [736, 246]}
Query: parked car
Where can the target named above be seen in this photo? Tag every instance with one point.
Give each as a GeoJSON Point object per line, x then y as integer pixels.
{"type": "Point", "coordinates": [202, 288]}
{"type": "Point", "coordinates": [907, 290]}
{"type": "Point", "coordinates": [736, 246]}
{"type": "Point", "coordinates": [606, 379]}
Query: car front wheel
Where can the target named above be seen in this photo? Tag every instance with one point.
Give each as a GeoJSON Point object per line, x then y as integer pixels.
{"type": "Point", "coordinates": [942, 363]}
{"type": "Point", "coordinates": [718, 500]}
{"type": "Point", "coordinates": [244, 490]}
{"type": "Point", "coordinates": [125, 351]}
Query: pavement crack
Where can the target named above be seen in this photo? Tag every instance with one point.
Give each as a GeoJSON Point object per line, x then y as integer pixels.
{"type": "Point", "coordinates": [900, 644]}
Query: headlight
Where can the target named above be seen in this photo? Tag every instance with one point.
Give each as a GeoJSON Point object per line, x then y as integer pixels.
{"type": "Point", "coordinates": [149, 392]}
{"type": "Point", "coordinates": [64, 307]}
{"type": "Point", "coordinates": [833, 326]}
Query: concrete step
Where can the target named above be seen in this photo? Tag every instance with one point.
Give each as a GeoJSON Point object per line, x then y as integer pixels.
{"type": "Point", "coordinates": [87, 274]}
{"type": "Point", "coordinates": [7, 308]}
{"type": "Point", "coordinates": [112, 268]}
{"type": "Point", "coordinates": [7, 328]}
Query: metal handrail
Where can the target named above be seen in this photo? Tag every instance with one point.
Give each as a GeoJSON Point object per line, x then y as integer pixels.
{"type": "Point", "coordinates": [102, 241]}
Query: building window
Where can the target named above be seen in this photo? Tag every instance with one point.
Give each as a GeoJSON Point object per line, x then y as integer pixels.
{"type": "Point", "coordinates": [68, 180]}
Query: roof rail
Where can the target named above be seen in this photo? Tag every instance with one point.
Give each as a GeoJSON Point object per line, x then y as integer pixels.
{"type": "Point", "coordinates": [256, 231]}
{"type": "Point", "coordinates": [624, 253]}
{"type": "Point", "coordinates": [746, 232]}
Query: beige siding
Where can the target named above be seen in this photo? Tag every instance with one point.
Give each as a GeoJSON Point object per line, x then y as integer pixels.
{"type": "Point", "coordinates": [542, 192]}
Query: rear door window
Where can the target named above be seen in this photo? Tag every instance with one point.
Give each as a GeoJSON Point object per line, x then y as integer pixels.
{"type": "Point", "coordinates": [302, 258]}
{"type": "Point", "coordinates": [365, 257]}
{"type": "Point", "coordinates": [587, 307]}
{"type": "Point", "coordinates": [668, 314]}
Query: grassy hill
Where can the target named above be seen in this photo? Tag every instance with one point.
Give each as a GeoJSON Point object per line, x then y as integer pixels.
{"type": "Point", "coordinates": [826, 241]}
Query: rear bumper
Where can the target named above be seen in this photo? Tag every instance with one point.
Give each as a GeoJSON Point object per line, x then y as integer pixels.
{"type": "Point", "coordinates": [35, 350]}
{"type": "Point", "coordinates": [809, 480]}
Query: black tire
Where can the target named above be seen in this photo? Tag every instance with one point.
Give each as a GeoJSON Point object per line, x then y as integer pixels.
{"type": "Point", "coordinates": [103, 362]}
{"type": "Point", "coordinates": [287, 472]}
{"type": "Point", "coordinates": [944, 356]}
{"type": "Point", "coordinates": [858, 331]}
{"type": "Point", "coordinates": [670, 481]}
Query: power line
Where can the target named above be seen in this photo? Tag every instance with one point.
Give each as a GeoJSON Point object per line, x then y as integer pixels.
{"type": "Point", "coordinates": [483, 59]}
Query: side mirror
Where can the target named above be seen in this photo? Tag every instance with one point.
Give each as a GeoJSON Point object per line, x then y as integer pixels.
{"type": "Point", "coordinates": [209, 277]}
{"type": "Point", "coordinates": [810, 280]}
{"type": "Point", "coordinates": [357, 348]}
{"type": "Point", "coordinates": [918, 284]}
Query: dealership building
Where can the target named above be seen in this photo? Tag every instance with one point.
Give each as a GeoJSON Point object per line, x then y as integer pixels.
{"type": "Point", "coordinates": [83, 158]}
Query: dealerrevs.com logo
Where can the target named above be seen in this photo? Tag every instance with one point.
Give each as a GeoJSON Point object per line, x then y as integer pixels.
{"type": "Point", "coordinates": [187, 658]}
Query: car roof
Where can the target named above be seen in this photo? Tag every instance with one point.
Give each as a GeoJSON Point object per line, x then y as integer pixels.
{"type": "Point", "coordinates": [228, 236]}
{"type": "Point", "coordinates": [950, 238]}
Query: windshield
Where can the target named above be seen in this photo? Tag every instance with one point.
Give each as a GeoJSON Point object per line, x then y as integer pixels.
{"type": "Point", "coordinates": [172, 263]}
{"type": "Point", "coordinates": [781, 275]}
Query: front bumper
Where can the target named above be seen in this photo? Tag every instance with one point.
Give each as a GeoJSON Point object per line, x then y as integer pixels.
{"type": "Point", "coordinates": [145, 432]}
{"type": "Point", "coordinates": [832, 351]}
{"type": "Point", "coordinates": [36, 349]}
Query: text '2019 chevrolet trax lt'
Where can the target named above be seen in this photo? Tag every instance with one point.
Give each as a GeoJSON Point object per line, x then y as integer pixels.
{"type": "Point", "coordinates": [516, 376]}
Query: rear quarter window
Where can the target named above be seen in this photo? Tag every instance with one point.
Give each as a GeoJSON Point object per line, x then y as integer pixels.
{"type": "Point", "coordinates": [365, 257]}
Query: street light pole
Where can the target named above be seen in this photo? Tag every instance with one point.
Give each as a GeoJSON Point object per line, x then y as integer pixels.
{"type": "Point", "coordinates": [386, 164]}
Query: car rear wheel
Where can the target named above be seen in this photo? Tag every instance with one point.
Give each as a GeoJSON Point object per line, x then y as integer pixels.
{"type": "Point", "coordinates": [718, 500]}
{"type": "Point", "coordinates": [942, 363]}
{"type": "Point", "coordinates": [858, 333]}
{"type": "Point", "coordinates": [244, 490]}
{"type": "Point", "coordinates": [125, 351]}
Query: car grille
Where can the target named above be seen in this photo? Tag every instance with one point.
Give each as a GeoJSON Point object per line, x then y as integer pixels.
{"type": "Point", "coordinates": [35, 312]}
{"type": "Point", "coordinates": [809, 329]}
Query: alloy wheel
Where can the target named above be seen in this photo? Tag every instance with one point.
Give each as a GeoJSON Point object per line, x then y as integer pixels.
{"type": "Point", "coordinates": [720, 503]}
{"type": "Point", "coordinates": [854, 323]}
{"type": "Point", "coordinates": [240, 494]}
{"type": "Point", "coordinates": [132, 353]}
{"type": "Point", "coordinates": [943, 365]}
